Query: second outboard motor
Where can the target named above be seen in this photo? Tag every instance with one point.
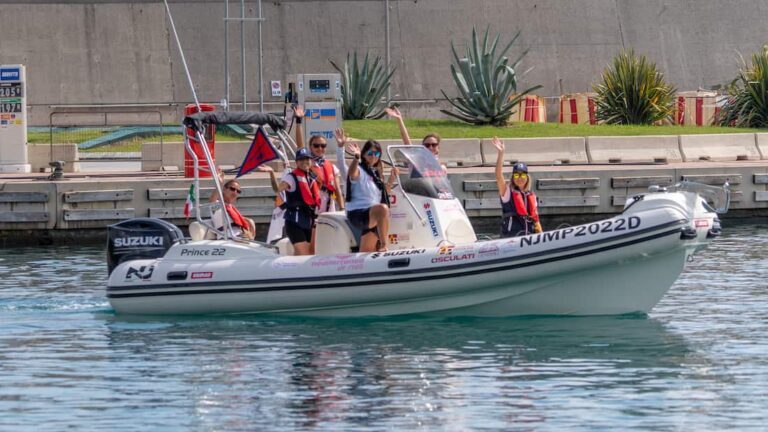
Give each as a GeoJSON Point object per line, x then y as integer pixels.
{"type": "Point", "coordinates": [139, 238]}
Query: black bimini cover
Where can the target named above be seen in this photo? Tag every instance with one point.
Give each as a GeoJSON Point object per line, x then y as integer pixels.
{"type": "Point", "coordinates": [196, 121]}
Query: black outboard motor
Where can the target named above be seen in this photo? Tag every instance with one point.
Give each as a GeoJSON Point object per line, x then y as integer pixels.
{"type": "Point", "coordinates": [139, 238]}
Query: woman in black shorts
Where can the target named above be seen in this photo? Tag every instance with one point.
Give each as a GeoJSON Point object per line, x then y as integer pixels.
{"type": "Point", "coordinates": [302, 199]}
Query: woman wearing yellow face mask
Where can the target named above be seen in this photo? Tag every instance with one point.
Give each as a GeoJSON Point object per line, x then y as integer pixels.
{"type": "Point", "coordinates": [520, 215]}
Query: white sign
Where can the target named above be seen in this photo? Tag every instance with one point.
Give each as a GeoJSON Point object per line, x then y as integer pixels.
{"type": "Point", "coordinates": [277, 89]}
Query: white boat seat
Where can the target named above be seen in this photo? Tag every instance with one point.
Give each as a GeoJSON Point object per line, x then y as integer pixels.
{"type": "Point", "coordinates": [198, 231]}
{"type": "Point", "coordinates": [335, 235]}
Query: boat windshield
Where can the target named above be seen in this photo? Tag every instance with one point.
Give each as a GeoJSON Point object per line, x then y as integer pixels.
{"type": "Point", "coordinates": [420, 172]}
{"type": "Point", "coordinates": [719, 197]}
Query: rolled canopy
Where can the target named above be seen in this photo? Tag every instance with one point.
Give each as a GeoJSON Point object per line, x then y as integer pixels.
{"type": "Point", "coordinates": [196, 121]}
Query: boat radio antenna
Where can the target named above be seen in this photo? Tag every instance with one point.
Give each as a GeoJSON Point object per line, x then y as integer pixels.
{"type": "Point", "coordinates": [181, 52]}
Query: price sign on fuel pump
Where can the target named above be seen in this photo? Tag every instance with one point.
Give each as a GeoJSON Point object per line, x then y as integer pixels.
{"type": "Point", "coordinates": [13, 119]}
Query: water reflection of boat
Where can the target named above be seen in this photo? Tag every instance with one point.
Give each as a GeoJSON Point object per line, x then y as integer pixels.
{"type": "Point", "coordinates": [385, 372]}
{"type": "Point", "coordinates": [637, 339]}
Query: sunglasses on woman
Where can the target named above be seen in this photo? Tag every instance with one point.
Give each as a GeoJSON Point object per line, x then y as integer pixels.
{"type": "Point", "coordinates": [374, 153]}
{"type": "Point", "coordinates": [430, 145]}
{"type": "Point", "coordinates": [235, 190]}
{"type": "Point", "coordinates": [520, 175]}
{"type": "Point", "coordinates": [319, 145]}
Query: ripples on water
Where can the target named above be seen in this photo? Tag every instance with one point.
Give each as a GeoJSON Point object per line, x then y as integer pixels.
{"type": "Point", "coordinates": [698, 362]}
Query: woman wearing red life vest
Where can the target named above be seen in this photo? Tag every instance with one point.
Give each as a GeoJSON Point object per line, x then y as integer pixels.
{"type": "Point", "coordinates": [520, 214]}
{"type": "Point", "coordinates": [241, 226]}
{"type": "Point", "coordinates": [302, 199]}
{"type": "Point", "coordinates": [327, 174]}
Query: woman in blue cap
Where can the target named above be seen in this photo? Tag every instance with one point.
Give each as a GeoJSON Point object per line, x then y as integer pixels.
{"type": "Point", "coordinates": [520, 215]}
{"type": "Point", "coordinates": [302, 199]}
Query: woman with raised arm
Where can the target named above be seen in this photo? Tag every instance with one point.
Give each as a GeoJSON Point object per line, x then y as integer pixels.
{"type": "Point", "coordinates": [328, 175]}
{"type": "Point", "coordinates": [431, 141]}
{"type": "Point", "coordinates": [520, 215]}
{"type": "Point", "coordinates": [302, 199]}
{"type": "Point", "coordinates": [368, 196]}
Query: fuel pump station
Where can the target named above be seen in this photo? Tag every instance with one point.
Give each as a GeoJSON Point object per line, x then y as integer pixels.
{"type": "Point", "coordinates": [320, 95]}
{"type": "Point", "coordinates": [13, 120]}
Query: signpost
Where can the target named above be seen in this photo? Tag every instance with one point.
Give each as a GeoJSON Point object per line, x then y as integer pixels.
{"type": "Point", "coordinates": [13, 120]}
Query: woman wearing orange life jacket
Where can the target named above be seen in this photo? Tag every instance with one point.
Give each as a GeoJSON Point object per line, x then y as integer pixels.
{"type": "Point", "coordinates": [241, 226]}
{"type": "Point", "coordinates": [328, 175]}
{"type": "Point", "coordinates": [520, 215]}
{"type": "Point", "coordinates": [302, 199]}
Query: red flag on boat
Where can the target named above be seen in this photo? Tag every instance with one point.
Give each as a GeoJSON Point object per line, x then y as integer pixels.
{"type": "Point", "coordinates": [261, 151]}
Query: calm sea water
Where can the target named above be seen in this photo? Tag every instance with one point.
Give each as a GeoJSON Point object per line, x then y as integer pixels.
{"type": "Point", "coordinates": [699, 361]}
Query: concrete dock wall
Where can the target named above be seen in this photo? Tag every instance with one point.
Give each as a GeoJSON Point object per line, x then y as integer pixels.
{"type": "Point", "coordinates": [31, 208]}
{"type": "Point", "coordinates": [115, 52]}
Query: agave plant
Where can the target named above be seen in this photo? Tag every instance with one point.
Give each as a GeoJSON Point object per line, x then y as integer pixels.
{"type": "Point", "coordinates": [363, 86]}
{"type": "Point", "coordinates": [747, 104]}
{"type": "Point", "coordinates": [486, 82]}
{"type": "Point", "coordinates": [633, 91]}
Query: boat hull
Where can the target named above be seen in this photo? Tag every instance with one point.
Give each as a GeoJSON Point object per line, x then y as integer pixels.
{"type": "Point", "coordinates": [618, 271]}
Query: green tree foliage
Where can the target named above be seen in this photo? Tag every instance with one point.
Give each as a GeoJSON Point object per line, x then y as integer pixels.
{"type": "Point", "coordinates": [747, 104]}
{"type": "Point", "coordinates": [633, 91]}
{"type": "Point", "coordinates": [363, 86]}
{"type": "Point", "coordinates": [486, 82]}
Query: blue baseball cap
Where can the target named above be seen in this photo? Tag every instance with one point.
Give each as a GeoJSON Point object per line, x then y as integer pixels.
{"type": "Point", "coordinates": [302, 153]}
{"type": "Point", "coordinates": [520, 167]}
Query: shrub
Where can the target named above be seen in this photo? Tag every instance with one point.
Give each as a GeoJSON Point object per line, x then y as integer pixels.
{"type": "Point", "coordinates": [486, 82]}
{"type": "Point", "coordinates": [633, 91]}
{"type": "Point", "coordinates": [363, 86]}
{"type": "Point", "coordinates": [747, 104]}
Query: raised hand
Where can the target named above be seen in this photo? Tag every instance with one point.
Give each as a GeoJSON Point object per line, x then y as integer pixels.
{"type": "Point", "coordinates": [353, 148]}
{"type": "Point", "coordinates": [298, 111]}
{"type": "Point", "coordinates": [393, 113]}
{"type": "Point", "coordinates": [340, 137]}
{"type": "Point", "coordinates": [499, 144]}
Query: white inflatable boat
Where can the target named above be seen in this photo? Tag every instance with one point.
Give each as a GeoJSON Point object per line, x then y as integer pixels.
{"type": "Point", "coordinates": [436, 265]}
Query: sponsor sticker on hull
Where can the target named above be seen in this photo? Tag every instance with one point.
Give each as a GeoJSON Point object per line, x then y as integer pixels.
{"type": "Point", "coordinates": [343, 262]}
{"type": "Point", "coordinates": [143, 273]}
{"type": "Point", "coordinates": [202, 275]}
{"type": "Point", "coordinates": [429, 211]}
{"type": "Point", "coordinates": [397, 253]}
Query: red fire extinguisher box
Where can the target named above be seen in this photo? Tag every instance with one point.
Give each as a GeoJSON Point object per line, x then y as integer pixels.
{"type": "Point", "coordinates": [210, 138]}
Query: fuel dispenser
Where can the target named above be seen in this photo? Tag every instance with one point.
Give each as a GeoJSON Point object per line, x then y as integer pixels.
{"type": "Point", "coordinates": [13, 119]}
{"type": "Point", "coordinates": [197, 147]}
{"type": "Point", "coordinates": [320, 95]}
